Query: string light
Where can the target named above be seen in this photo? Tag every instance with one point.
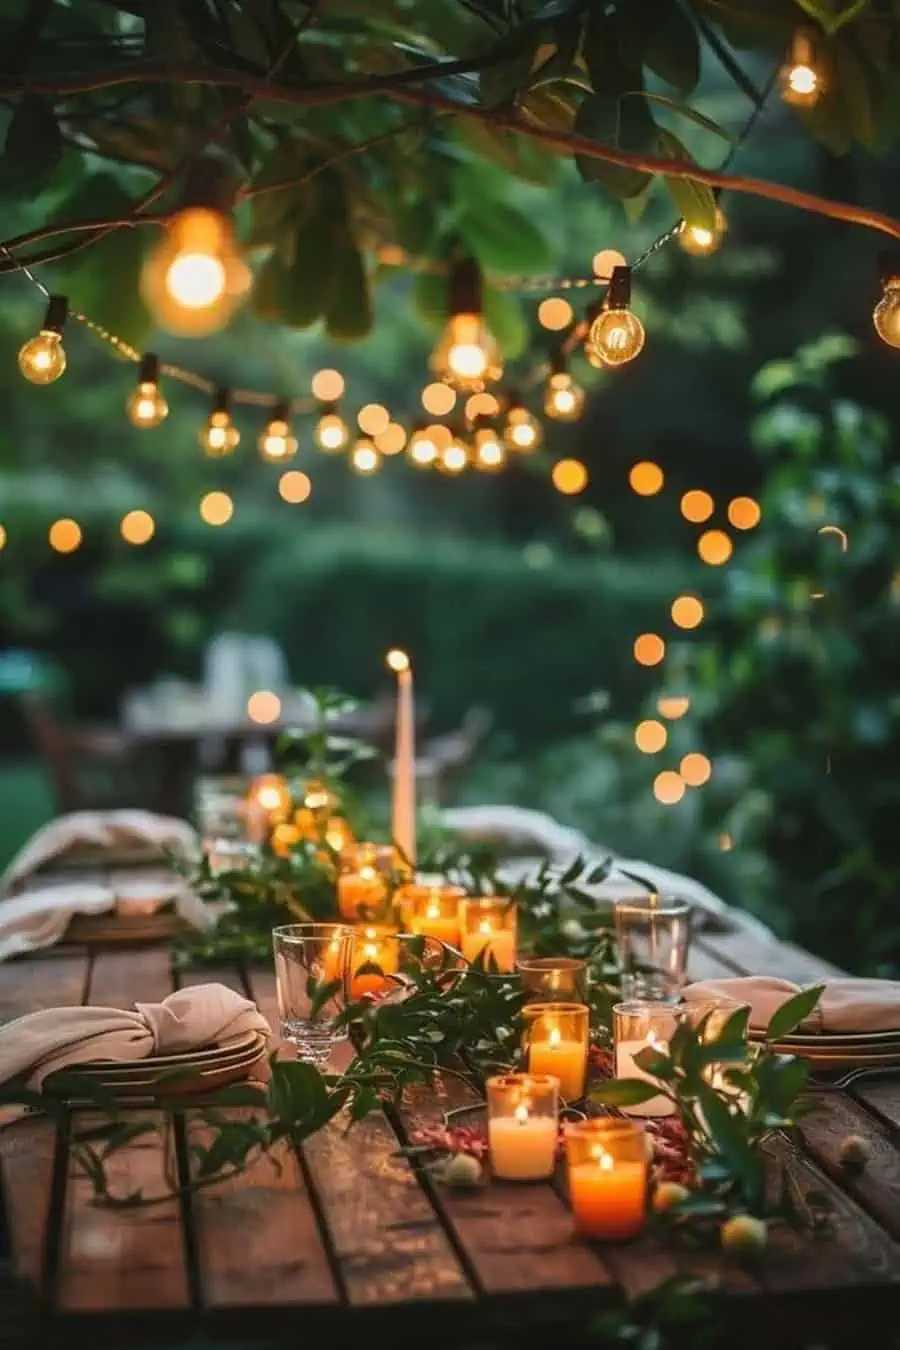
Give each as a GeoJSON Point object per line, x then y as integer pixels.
{"type": "Point", "coordinates": [687, 611]}
{"type": "Point", "coordinates": [646, 478]}
{"type": "Point", "coordinates": [276, 443]}
{"type": "Point", "coordinates": [218, 435]}
{"type": "Point", "coordinates": [700, 240]}
{"type": "Point", "coordinates": [64, 535]}
{"type": "Point", "coordinates": [563, 398]}
{"type": "Point", "coordinates": [484, 404]}
{"type": "Point", "coordinates": [715, 547]}
{"type": "Point", "coordinates": [422, 448]}
{"type": "Point", "coordinates": [216, 508]}
{"type": "Point", "coordinates": [801, 81]}
{"type": "Point", "coordinates": [373, 419]}
{"type": "Point", "coordinates": [42, 359]}
{"type": "Point", "coordinates": [331, 432]}
{"type": "Point", "coordinates": [438, 399]}
{"type": "Point", "coordinates": [570, 477]}
{"type": "Point", "coordinates": [695, 769]}
{"type": "Point", "coordinates": [555, 313]}
{"type": "Point", "coordinates": [327, 386]}
{"type": "Point", "coordinates": [490, 452]}
{"type": "Point", "coordinates": [294, 487]}
{"type": "Point", "coordinates": [649, 649]}
{"type": "Point", "coordinates": [146, 407]}
{"type": "Point", "coordinates": [697, 506]}
{"type": "Point", "coordinates": [650, 737]}
{"type": "Point", "coordinates": [672, 706]}
{"type": "Point", "coordinates": [744, 513]}
{"type": "Point", "coordinates": [606, 261]}
{"type": "Point", "coordinates": [616, 336]}
{"type": "Point", "coordinates": [454, 458]}
{"type": "Point", "coordinates": [264, 707]}
{"type": "Point", "coordinates": [668, 787]}
{"type": "Point", "coordinates": [391, 441]}
{"type": "Point", "coordinates": [886, 314]}
{"type": "Point", "coordinates": [467, 356]}
{"type": "Point", "coordinates": [521, 429]}
{"type": "Point", "coordinates": [137, 527]}
{"type": "Point", "coordinates": [364, 458]}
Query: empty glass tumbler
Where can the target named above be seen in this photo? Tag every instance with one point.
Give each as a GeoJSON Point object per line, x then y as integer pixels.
{"type": "Point", "coordinates": [310, 957]}
{"type": "Point", "coordinates": [653, 934]}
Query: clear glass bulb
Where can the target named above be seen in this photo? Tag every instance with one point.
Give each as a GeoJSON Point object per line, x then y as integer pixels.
{"type": "Point", "coordinates": [490, 452]}
{"type": "Point", "coordinates": [42, 359]}
{"type": "Point", "coordinates": [616, 336]}
{"type": "Point", "coordinates": [698, 240]}
{"type": "Point", "coordinates": [422, 449]}
{"type": "Point", "coordinates": [563, 398]}
{"type": "Point", "coordinates": [801, 84]}
{"type": "Point", "coordinates": [886, 314]}
{"type": "Point", "coordinates": [219, 436]}
{"type": "Point", "coordinates": [276, 442]}
{"type": "Point", "coordinates": [522, 431]}
{"type": "Point", "coordinates": [364, 458]}
{"type": "Point", "coordinates": [331, 433]}
{"type": "Point", "coordinates": [146, 407]}
{"type": "Point", "coordinates": [195, 278]}
{"type": "Point", "coordinates": [454, 458]}
{"type": "Point", "coordinates": [467, 356]}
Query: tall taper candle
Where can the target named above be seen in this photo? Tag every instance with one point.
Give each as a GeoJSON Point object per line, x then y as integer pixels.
{"type": "Point", "coordinates": [404, 806]}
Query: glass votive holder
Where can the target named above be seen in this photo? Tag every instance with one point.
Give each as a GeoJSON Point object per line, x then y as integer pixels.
{"type": "Point", "coordinates": [432, 910]}
{"type": "Point", "coordinates": [653, 934]}
{"type": "Point", "coordinates": [523, 1114]}
{"type": "Point", "coordinates": [488, 932]}
{"type": "Point", "coordinates": [364, 880]}
{"type": "Point", "coordinates": [547, 979]}
{"type": "Point", "coordinates": [641, 1026]}
{"type": "Point", "coordinates": [556, 1039]}
{"type": "Point", "coordinates": [606, 1169]}
{"type": "Point", "coordinates": [374, 960]}
{"type": "Point", "coordinates": [305, 952]}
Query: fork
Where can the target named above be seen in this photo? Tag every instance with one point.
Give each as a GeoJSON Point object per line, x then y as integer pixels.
{"type": "Point", "coordinates": [852, 1075]}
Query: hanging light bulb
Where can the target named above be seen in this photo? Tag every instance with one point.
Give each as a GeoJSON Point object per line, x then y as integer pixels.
{"type": "Point", "coordinates": [146, 407]}
{"type": "Point", "coordinates": [490, 452]}
{"type": "Point", "coordinates": [700, 240]}
{"type": "Point", "coordinates": [800, 79]}
{"type": "Point", "coordinates": [364, 458]}
{"type": "Point", "coordinates": [276, 442]}
{"type": "Point", "coordinates": [454, 457]}
{"type": "Point", "coordinates": [521, 429]}
{"type": "Point", "coordinates": [42, 359]}
{"type": "Point", "coordinates": [218, 435]}
{"type": "Point", "coordinates": [331, 432]}
{"type": "Point", "coordinates": [616, 336]}
{"type": "Point", "coordinates": [563, 398]}
{"type": "Point", "coordinates": [886, 314]}
{"type": "Point", "coordinates": [421, 447]}
{"type": "Point", "coordinates": [195, 277]}
{"type": "Point", "coordinates": [466, 357]}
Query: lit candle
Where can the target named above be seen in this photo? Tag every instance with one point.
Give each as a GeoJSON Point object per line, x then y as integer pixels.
{"type": "Point", "coordinates": [432, 911]}
{"type": "Point", "coordinates": [374, 945]}
{"type": "Point", "coordinates": [404, 806]}
{"type": "Point", "coordinates": [557, 1038]}
{"type": "Point", "coordinates": [607, 1175]}
{"type": "Point", "coordinates": [523, 1126]}
{"type": "Point", "coordinates": [489, 930]}
{"type": "Point", "coordinates": [268, 802]}
{"type": "Point", "coordinates": [643, 1026]}
{"type": "Point", "coordinates": [363, 885]}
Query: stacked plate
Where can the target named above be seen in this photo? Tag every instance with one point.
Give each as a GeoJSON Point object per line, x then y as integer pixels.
{"type": "Point", "coordinates": [190, 1074]}
{"type": "Point", "coordinates": [829, 1051]}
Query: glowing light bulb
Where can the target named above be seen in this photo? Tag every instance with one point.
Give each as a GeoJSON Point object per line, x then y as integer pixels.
{"type": "Point", "coordinates": [146, 407]}
{"type": "Point", "coordinates": [490, 452]}
{"type": "Point", "coordinates": [615, 336]}
{"type": "Point", "coordinates": [271, 792]}
{"type": "Point", "coordinates": [331, 432]}
{"type": "Point", "coordinates": [364, 458]}
{"type": "Point", "coordinates": [422, 448]}
{"type": "Point", "coordinates": [886, 314]}
{"type": "Point", "coordinates": [563, 398]}
{"type": "Point", "coordinates": [276, 442]}
{"type": "Point", "coordinates": [195, 278]}
{"type": "Point", "coordinates": [42, 359]}
{"type": "Point", "coordinates": [466, 356]}
{"type": "Point", "coordinates": [454, 458]}
{"type": "Point", "coordinates": [218, 435]}
{"type": "Point", "coordinates": [700, 240]}
{"type": "Point", "coordinates": [801, 82]}
{"type": "Point", "coordinates": [137, 527]}
{"type": "Point", "coordinates": [521, 429]}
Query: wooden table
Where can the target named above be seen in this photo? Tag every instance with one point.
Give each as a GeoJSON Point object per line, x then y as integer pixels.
{"type": "Point", "coordinates": [347, 1245]}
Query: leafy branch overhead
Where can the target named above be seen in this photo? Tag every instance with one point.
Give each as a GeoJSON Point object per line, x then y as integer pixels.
{"type": "Point", "coordinates": [361, 135]}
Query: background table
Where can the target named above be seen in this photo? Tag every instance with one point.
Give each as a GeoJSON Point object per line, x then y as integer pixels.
{"type": "Point", "coordinates": [346, 1244]}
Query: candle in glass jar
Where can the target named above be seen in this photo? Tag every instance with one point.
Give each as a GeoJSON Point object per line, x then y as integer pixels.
{"type": "Point", "coordinates": [626, 1068]}
{"type": "Point", "coordinates": [607, 1176]}
{"type": "Point", "coordinates": [557, 1038]}
{"type": "Point", "coordinates": [641, 1026]}
{"type": "Point", "coordinates": [432, 911]}
{"type": "Point", "coordinates": [374, 945]}
{"type": "Point", "coordinates": [523, 1127]}
{"type": "Point", "coordinates": [489, 930]}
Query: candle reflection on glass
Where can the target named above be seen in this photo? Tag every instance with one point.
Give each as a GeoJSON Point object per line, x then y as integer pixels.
{"type": "Point", "coordinates": [556, 1035]}
{"type": "Point", "coordinates": [606, 1167]}
{"type": "Point", "coordinates": [488, 927]}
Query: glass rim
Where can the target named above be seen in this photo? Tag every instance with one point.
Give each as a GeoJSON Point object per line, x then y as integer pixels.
{"type": "Point", "coordinates": [570, 963]}
{"type": "Point", "coordinates": [606, 1125]}
{"type": "Point", "coordinates": [288, 932]}
{"type": "Point", "coordinates": [541, 1006]}
{"type": "Point", "coordinates": [511, 1080]}
{"type": "Point", "coordinates": [632, 1006]}
{"type": "Point", "coordinates": [653, 902]}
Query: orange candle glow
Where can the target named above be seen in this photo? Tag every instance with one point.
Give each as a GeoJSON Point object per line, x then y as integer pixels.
{"type": "Point", "coordinates": [489, 930]}
{"type": "Point", "coordinates": [607, 1175]}
{"type": "Point", "coordinates": [374, 945]}
{"type": "Point", "coordinates": [557, 1039]}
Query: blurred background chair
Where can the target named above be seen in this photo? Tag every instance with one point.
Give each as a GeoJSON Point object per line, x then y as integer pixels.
{"type": "Point", "coordinates": [87, 766]}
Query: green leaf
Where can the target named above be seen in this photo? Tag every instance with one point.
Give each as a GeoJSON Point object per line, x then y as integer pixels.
{"type": "Point", "coordinates": [685, 110]}
{"type": "Point", "coordinates": [503, 239]}
{"type": "Point", "coordinates": [789, 1016]}
{"type": "Point", "coordinates": [348, 315]}
{"type": "Point", "coordinates": [516, 154]}
{"type": "Point", "coordinates": [33, 141]}
{"type": "Point", "coordinates": [655, 1062]}
{"type": "Point", "coordinates": [623, 1092]}
{"type": "Point", "coordinates": [694, 201]}
{"type": "Point", "coordinates": [832, 15]}
{"type": "Point", "coordinates": [505, 316]}
{"type": "Point", "coordinates": [732, 1143]}
{"type": "Point", "coordinates": [623, 124]}
{"type": "Point", "coordinates": [671, 46]}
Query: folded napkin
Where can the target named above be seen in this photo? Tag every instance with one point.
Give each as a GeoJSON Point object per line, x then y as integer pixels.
{"type": "Point", "coordinates": [845, 1005]}
{"type": "Point", "coordinates": [41, 1043]}
{"type": "Point", "coordinates": [101, 832]}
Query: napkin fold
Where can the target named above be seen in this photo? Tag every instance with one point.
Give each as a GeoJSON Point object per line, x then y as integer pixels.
{"type": "Point", "coordinates": [101, 832]}
{"type": "Point", "coordinates": [848, 1004]}
{"type": "Point", "coordinates": [43, 1042]}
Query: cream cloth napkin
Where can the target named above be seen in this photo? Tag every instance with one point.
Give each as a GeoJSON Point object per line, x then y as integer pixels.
{"type": "Point", "coordinates": [40, 1043]}
{"type": "Point", "coordinates": [845, 1005]}
{"type": "Point", "coordinates": [101, 832]}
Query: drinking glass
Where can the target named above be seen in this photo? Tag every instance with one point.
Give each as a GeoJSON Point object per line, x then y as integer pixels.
{"type": "Point", "coordinates": [307, 955]}
{"type": "Point", "coordinates": [653, 934]}
{"type": "Point", "coordinates": [553, 979]}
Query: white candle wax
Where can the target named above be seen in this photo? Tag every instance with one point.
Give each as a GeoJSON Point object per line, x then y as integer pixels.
{"type": "Point", "coordinates": [523, 1147]}
{"type": "Point", "coordinates": [626, 1068]}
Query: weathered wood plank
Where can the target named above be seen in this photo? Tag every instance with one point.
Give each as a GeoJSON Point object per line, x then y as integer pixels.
{"type": "Point", "coordinates": [877, 1187]}
{"type": "Point", "coordinates": [881, 1095]}
{"type": "Point", "coordinates": [27, 1149]}
{"type": "Point", "coordinates": [119, 978]}
{"type": "Point", "coordinates": [51, 981]}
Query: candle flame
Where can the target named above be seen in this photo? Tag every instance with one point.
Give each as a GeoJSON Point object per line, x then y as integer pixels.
{"type": "Point", "coordinates": [651, 1039]}
{"type": "Point", "coordinates": [369, 933]}
{"type": "Point", "coordinates": [368, 873]}
{"type": "Point", "coordinates": [370, 950]}
{"type": "Point", "coordinates": [607, 1162]}
{"type": "Point", "coordinates": [434, 910]}
{"type": "Point", "coordinates": [521, 1114]}
{"type": "Point", "coordinates": [485, 927]}
{"type": "Point", "coordinates": [397, 661]}
{"type": "Point", "coordinates": [554, 1038]}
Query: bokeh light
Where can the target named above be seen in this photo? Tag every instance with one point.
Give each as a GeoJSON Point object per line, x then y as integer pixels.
{"type": "Point", "coordinates": [484, 404]}
{"type": "Point", "coordinates": [391, 441]}
{"type": "Point", "coordinates": [438, 399]}
{"type": "Point", "coordinates": [137, 527]}
{"type": "Point", "coordinates": [373, 418]}
{"type": "Point", "coordinates": [264, 707]}
{"type": "Point", "coordinates": [216, 508]}
{"type": "Point", "coordinates": [294, 486]}
{"type": "Point", "coordinates": [555, 313]}
{"type": "Point", "coordinates": [695, 769]}
{"type": "Point", "coordinates": [570, 477]}
{"type": "Point", "coordinates": [672, 706]}
{"type": "Point", "coordinates": [2, 537]}
{"type": "Point", "coordinates": [697, 506]}
{"type": "Point", "coordinates": [65, 535]}
{"type": "Point", "coordinates": [650, 737]}
{"type": "Point", "coordinates": [606, 261]}
{"type": "Point", "coordinates": [715, 547]}
{"type": "Point", "coordinates": [646, 478]}
{"type": "Point", "coordinates": [364, 458]}
{"type": "Point", "coordinates": [649, 649]}
{"type": "Point", "coordinates": [328, 385]}
{"type": "Point", "coordinates": [744, 513]}
{"type": "Point", "coordinates": [687, 611]}
{"type": "Point", "coordinates": [668, 788]}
